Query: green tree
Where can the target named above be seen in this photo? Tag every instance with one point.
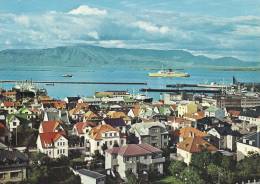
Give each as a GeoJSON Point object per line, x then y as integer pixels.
{"type": "Point", "coordinates": [190, 175]}
{"type": "Point", "coordinates": [176, 167]}
{"type": "Point", "coordinates": [201, 160]}
{"type": "Point", "coordinates": [213, 172]}
{"type": "Point", "coordinates": [131, 178]}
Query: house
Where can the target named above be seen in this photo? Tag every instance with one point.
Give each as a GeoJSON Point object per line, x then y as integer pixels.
{"type": "Point", "coordinates": [118, 123]}
{"type": "Point", "coordinates": [187, 107]}
{"type": "Point", "coordinates": [252, 116]}
{"type": "Point", "coordinates": [82, 129]}
{"type": "Point", "coordinates": [248, 144]}
{"type": "Point", "coordinates": [137, 158]}
{"type": "Point", "coordinates": [193, 145]}
{"type": "Point", "coordinates": [216, 112]}
{"type": "Point", "coordinates": [176, 123]}
{"type": "Point", "coordinates": [104, 135]}
{"type": "Point", "coordinates": [91, 116]}
{"type": "Point", "coordinates": [190, 132]}
{"type": "Point", "coordinates": [50, 126]}
{"type": "Point", "coordinates": [52, 114]}
{"type": "Point", "coordinates": [13, 166]}
{"type": "Point", "coordinates": [194, 116]}
{"type": "Point", "coordinates": [90, 177]}
{"type": "Point", "coordinates": [53, 144]}
{"type": "Point", "coordinates": [10, 95]}
{"type": "Point", "coordinates": [76, 114]}
{"type": "Point", "coordinates": [9, 107]}
{"type": "Point", "coordinates": [153, 133]}
{"type": "Point", "coordinates": [118, 114]}
{"type": "Point", "coordinates": [12, 122]}
{"type": "Point", "coordinates": [27, 113]}
{"type": "Point", "coordinates": [134, 112]}
{"type": "Point", "coordinates": [224, 137]}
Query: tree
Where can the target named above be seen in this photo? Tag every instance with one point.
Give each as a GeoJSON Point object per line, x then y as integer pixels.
{"type": "Point", "coordinates": [213, 172]}
{"type": "Point", "coordinates": [201, 160]}
{"type": "Point", "coordinates": [189, 175]}
{"type": "Point", "coordinates": [176, 167]}
{"type": "Point", "coordinates": [131, 178]}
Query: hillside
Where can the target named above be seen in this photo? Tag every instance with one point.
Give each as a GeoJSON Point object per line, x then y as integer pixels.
{"type": "Point", "coordinates": [93, 56]}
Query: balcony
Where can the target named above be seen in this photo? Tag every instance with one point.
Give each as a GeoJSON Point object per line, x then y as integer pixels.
{"type": "Point", "coordinates": [157, 160]}
{"type": "Point", "coordinates": [153, 161]}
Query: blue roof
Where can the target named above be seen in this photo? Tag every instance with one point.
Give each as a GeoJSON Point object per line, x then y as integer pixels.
{"type": "Point", "coordinates": [115, 122]}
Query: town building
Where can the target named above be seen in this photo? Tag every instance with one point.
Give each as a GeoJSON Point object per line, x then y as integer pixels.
{"type": "Point", "coordinates": [248, 144]}
{"type": "Point", "coordinates": [153, 133]}
{"type": "Point", "coordinates": [53, 144]}
{"type": "Point", "coordinates": [13, 166]}
{"type": "Point", "coordinates": [193, 145]}
{"type": "Point", "coordinates": [137, 158]}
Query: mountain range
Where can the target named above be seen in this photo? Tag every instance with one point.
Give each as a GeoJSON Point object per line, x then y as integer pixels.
{"type": "Point", "coordinates": [94, 56]}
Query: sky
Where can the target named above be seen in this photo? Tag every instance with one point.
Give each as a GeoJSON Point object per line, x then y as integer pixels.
{"type": "Point", "coordinates": [203, 27]}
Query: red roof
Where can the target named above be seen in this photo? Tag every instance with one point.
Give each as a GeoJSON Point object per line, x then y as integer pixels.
{"type": "Point", "coordinates": [9, 104]}
{"type": "Point", "coordinates": [49, 126]}
{"type": "Point", "coordinates": [49, 138]}
{"type": "Point", "coordinates": [196, 145]}
{"type": "Point", "coordinates": [134, 150]}
{"type": "Point", "coordinates": [81, 125]}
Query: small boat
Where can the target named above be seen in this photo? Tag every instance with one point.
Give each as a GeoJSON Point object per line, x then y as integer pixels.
{"type": "Point", "coordinates": [168, 73]}
{"type": "Point", "coordinates": [67, 75]}
{"type": "Point", "coordinates": [49, 84]}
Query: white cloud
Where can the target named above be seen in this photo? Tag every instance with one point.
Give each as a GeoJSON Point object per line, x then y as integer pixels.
{"type": "Point", "coordinates": [22, 20]}
{"type": "Point", "coordinates": [86, 10]}
{"type": "Point", "coordinates": [112, 43]}
{"type": "Point", "coordinates": [151, 28]}
{"type": "Point", "coordinates": [245, 30]}
{"type": "Point", "coordinates": [93, 34]}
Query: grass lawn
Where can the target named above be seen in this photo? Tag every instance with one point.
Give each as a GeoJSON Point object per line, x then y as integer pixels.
{"type": "Point", "coordinates": [168, 180]}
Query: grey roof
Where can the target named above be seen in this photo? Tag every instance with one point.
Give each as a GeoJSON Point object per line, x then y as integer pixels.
{"type": "Point", "coordinates": [91, 174]}
{"type": "Point", "coordinates": [12, 158]}
{"type": "Point", "coordinates": [143, 128]}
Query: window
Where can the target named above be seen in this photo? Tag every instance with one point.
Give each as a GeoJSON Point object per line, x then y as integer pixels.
{"type": "Point", "coordinates": [63, 151]}
{"type": "Point", "coordinates": [2, 175]}
{"type": "Point", "coordinates": [58, 143]}
{"type": "Point", "coordinates": [14, 123]}
{"type": "Point", "coordinates": [114, 134]}
{"type": "Point", "coordinates": [110, 134]}
{"type": "Point", "coordinates": [97, 143]}
{"type": "Point", "coordinates": [14, 174]}
{"type": "Point", "coordinates": [58, 151]}
{"type": "Point", "coordinates": [111, 142]}
{"type": "Point", "coordinates": [63, 143]}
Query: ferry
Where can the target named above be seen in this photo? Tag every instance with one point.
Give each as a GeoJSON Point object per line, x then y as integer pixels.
{"type": "Point", "coordinates": [168, 73]}
{"type": "Point", "coordinates": [67, 75]}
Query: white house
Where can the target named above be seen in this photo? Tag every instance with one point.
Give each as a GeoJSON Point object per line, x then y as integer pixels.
{"type": "Point", "coordinates": [186, 107]}
{"type": "Point", "coordinates": [193, 145]}
{"type": "Point", "coordinates": [134, 157]}
{"type": "Point", "coordinates": [248, 144]}
{"type": "Point", "coordinates": [12, 122]}
{"type": "Point", "coordinates": [54, 144]}
{"type": "Point", "coordinates": [104, 135]}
